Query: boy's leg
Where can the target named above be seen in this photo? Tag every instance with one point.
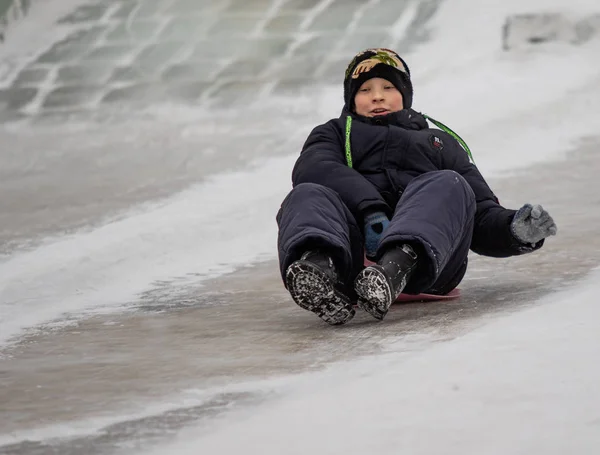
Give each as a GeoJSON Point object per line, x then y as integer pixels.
{"type": "Point", "coordinates": [430, 233]}
{"type": "Point", "coordinates": [320, 251]}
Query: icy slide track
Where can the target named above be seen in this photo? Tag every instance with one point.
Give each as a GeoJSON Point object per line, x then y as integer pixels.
{"type": "Point", "coordinates": [156, 337]}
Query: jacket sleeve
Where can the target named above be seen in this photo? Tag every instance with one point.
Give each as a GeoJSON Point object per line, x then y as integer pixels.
{"type": "Point", "coordinates": [491, 234]}
{"type": "Point", "coordinates": [322, 161]}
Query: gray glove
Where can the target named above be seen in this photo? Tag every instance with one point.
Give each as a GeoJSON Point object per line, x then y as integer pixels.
{"type": "Point", "coordinates": [531, 224]}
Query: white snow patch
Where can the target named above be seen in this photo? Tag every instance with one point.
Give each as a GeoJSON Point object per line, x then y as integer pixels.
{"type": "Point", "coordinates": [36, 33]}
{"type": "Point", "coordinates": [207, 230]}
{"type": "Point", "coordinates": [399, 28]}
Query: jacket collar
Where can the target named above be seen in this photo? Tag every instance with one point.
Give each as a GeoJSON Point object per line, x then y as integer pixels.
{"type": "Point", "coordinates": [406, 118]}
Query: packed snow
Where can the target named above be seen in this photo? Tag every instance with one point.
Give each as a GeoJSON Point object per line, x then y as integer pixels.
{"type": "Point", "coordinates": [525, 383]}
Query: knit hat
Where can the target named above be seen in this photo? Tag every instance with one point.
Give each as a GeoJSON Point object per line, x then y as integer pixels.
{"type": "Point", "coordinates": [377, 62]}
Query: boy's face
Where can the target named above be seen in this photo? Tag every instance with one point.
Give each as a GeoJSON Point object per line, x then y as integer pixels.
{"type": "Point", "coordinates": [377, 96]}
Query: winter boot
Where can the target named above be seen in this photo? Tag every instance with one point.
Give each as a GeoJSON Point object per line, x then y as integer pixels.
{"type": "Point", "coordinates": [380, 284]}
{"type": "Point", "coordinates": [314, 285]}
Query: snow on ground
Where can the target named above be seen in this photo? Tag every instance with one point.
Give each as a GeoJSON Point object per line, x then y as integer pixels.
{"type": "Point", "coordinates": [513, 109]}
{"type": "Point", "coordinates": [107, 266]}
{"type": "Point", "coordinates": [524, 383]}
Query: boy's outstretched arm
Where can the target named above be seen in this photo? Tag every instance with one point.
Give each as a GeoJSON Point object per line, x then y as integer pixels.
{"type": "Point", "coordinates": [498, 231]}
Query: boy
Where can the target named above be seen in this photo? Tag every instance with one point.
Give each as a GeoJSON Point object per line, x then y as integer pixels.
{"type": "Point", "coordinates": [379, 181]}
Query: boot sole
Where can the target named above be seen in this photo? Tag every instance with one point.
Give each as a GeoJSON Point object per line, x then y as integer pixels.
{"type": "Point", "coordinates": [374, 292]}
{"type": "Point", "coordinates": [312, 290]}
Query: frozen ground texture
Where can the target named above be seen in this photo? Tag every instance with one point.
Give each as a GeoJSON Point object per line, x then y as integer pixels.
{"type": "Point", "coordinates": [233, 51]}
{"type": "Point", "coordinates": [70, 164]}
{"type": "Point", "coordinates": [522, 384]}
{"type": "Point", "coordinates": [125, 195]}
{"type": "Point", "coordinates": [62, 177]}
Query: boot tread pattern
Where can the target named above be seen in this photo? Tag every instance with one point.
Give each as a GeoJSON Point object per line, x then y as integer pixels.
{"type": "Point", "coordinates": [374, 292]}
{"type": "Point", "coordinates": [314, 291]}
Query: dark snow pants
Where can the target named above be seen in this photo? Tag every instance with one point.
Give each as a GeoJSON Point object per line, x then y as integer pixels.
{"type": "Point", "coordinates": [435, 215]}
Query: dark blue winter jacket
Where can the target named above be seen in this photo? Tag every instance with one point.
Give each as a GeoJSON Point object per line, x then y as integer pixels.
{"type": "Point", "coordinates": [387, 152]}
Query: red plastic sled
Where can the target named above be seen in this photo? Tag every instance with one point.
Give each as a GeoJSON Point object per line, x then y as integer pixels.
{"type": "Point", "coordinates": [406, 298]}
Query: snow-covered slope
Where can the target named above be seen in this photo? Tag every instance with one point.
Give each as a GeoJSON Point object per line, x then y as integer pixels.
{"type": "Point", "coordinates": [513, 109]}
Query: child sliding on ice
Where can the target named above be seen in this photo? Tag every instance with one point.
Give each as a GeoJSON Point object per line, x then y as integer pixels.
{"type": "Point", "coordinates": [379, 180]}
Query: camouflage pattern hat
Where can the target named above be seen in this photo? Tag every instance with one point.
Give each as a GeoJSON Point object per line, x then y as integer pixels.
{"type": "Point", "coordinates": [377, 62]}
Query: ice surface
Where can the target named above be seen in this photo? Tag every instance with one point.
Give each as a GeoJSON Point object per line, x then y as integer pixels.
{"type": "Point", "coordinates": [26, 42]}
{"type": "Point", "coordinates": [523, 384]}
{"type": "Point", "coordinates": [494, 391]}
{"type": "Point", "coordinates": [205, 231]}
{"type": "Point", "coordinates": [510, 108]}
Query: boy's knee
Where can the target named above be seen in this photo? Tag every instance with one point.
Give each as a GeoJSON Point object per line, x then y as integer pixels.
{"type": "Point", "coordinates": [447, 176]}
{"type": "Point", "coordinates": [453, 180]}
{"type": "Point", "coordinates": [444, 182]}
